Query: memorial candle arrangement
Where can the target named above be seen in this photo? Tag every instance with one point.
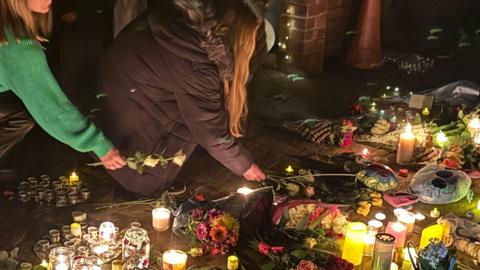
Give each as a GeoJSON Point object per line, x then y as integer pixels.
{"type": "Point", "coordinates": [174, 260]}
{"type": "Point", "coordinates": [406, 146]}
{"type": "Point", "coordinates": [161, 219]}
{"type": "Point", "coordinates": [354, 242]}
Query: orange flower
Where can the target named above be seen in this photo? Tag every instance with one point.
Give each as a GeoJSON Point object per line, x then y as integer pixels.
{"type": "Point", "coordinates": [218, 233]}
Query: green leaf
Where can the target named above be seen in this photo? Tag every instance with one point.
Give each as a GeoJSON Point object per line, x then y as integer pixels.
{"type": "Point", "coordinates": [298, 253]}
{"type": "Point", "coordinates": [284, 219]}
{"type": "Point", "coordinates": [140, 169]}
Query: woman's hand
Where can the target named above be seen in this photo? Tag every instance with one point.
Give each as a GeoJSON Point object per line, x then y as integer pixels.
{"type": "Point", "coordinates": [254, 173]}
{"type": "Point", "coordinates": [113, 160]}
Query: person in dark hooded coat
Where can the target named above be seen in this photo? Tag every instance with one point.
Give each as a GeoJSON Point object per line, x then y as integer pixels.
{"type": "Point", "coordinates": [174, 79]}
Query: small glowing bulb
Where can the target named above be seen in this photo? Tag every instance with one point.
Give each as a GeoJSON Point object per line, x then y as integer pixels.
{"type": "Point", "coordinates": [279, 44]}
{"type": "Point", "coordinates": [397, 89]}
{"type": "Point", "coordinates": [244, 190]}
{"type": "Point", "coordinates": [286, 37]}
{"type": "Point", "coordinates": [388, 87]}
{"type": "Point", "coordinates": [289, 169]}
{"type": "Point", "coordinates": [287, 57]}
{"type": "Point", "coordinates": [394, 119]}
{"type": "Point", "coordinates": [288, 24]}
{"type": "Point", "coordinates": [284, 46]}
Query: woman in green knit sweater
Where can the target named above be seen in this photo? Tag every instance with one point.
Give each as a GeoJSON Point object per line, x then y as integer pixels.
{"type": "Point", "coordinates": [24, 71]}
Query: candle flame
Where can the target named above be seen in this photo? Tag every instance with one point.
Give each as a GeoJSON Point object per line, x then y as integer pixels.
{"type": "Point", "coordinates": [44, 263]}
{"type": "Point", "coordinates": [475, 123]}
{"type": "Point", "coordinates": [408, 129]}
{"type": "Point", "coordinates": [289, 169]}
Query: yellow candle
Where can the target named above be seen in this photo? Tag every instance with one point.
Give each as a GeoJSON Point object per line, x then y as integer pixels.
{"type": "Point", "coordinates": [434, 231]}
{"type": "Point", "coordinates": [74, 179]}
{"type": "Point", "coordinates": [354, 242]}
{"type": "Point", "coordinates": [161, 219]}
{"type": "Point", "coordinates": [232, 262]}
{"type": "Point", "coordinates": [406, 145]}
{"type": "Point", "coordinates": [174, 260]}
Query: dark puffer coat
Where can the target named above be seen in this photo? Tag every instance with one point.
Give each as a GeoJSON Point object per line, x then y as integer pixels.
{"type": "Point", "coordinates": [163, 78]}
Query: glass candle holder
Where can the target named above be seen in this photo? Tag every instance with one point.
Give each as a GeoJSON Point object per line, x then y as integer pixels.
{"type": "Point", "coordinates": [354, 242]}
{"type": "Point", "coordinates": [407, 218]}
{"type": "Point", "coordinates": [135, 224]}
{"type": "Point", "coordinates": [383, 252]}
{"type": "Point", "coordinates": [175, 260]}
{"type": "Point", "coordinates": [60, 258]}
{"type": "Point", "coordinates": [107, 231]}
{"type": "Point", "coordinates": [54, 235]}
{"type": "Point", "coordinates": [136, 249]}
{"type": "Point", "coordinates": [92, 232]}
{"type": "Point", "coordinates": [161, 219]}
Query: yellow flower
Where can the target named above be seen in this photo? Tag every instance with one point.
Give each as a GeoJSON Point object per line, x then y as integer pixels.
{"type": "Point", "coordinates": [179, 158]}
{"type": "Point", "coordinates": [196, 252]}
{"type": "Point", "coordinates": [150, 161]}
{"type": "Point", "coordinates": [229, 221]}
{"type": "Point", "coordinates": [310, 242]}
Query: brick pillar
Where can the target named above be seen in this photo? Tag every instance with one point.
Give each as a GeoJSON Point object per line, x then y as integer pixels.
{"type": "Point", "coordinates": [337, 19]}
{"type": "Point", "coordinates": [302, 35]}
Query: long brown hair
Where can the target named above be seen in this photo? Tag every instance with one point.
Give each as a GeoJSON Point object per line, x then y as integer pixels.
{"type": "Point", "coordinates": [242, 38]}
{"type": "Point", "coordinates": [18, 18]}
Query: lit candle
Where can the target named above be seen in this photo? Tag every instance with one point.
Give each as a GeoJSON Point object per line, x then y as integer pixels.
{"type": "Point", "coordinates": [73, 179]}
{"type": "Point", "coordinates": [383, 253]}
{"type": "Point", "coordinates": [435, 213]}
{"type": "Point", "coordinates": [380, 216]}
{"type": "Point", "coordinates": [174, 260]}
{"type": "Point", "coordinates": [107, 231]}
{"type": "Point", "coordinates": [354, 242]}
{"type": "Point", "coordinates": [289, 169]}
{"type": "Point", "coordinates": [399, 231]}
{"type": "Point", "coordinates": [434, 231]}
{"type": "Point", "coordinates": [375, 224]}
{"type": "Point", "coordinates": [425, 111]}
{"type": "Point", "coordinates": [366, 153]}
{"type": "Point", "coordinates": [232, 262]}
{"type": "Point", "coordinates": [76, 230]}
{"type": "Point", "coordinates": [405, 217]}
{"type": "Point", "coordinates": [441, 139]}
{"type": "Point", "coordinates": [244, 190]}
{"type": "Point", "coordinates": [419, 217]}
{"type": "Point", "coordinates": [161, 219]}
{"type": "Point", "coordinates": [473, 126]}
{"type": "Point", "coordinates": [406, 146]}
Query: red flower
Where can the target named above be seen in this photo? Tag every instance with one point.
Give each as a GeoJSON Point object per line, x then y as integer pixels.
{"type": "Point", "coordinates": [449, 163]}
{"type": "Point", "coordinates": [263, 248]}
{"type": "Point", "coordinates": [306, 265]}
{"type": "Point", "coordinates": [215, 251]}
{"type": "Point", "coordinates": [218, 233]}
{"type": "Point", "coordinates": [277, 249]}
{"type": "Point", "coordinates": [200, 197]}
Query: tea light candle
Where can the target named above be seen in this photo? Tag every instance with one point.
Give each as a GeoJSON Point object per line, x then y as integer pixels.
{"type": "Point", "coordinates": [405, 217]}
{"type": "Point", "coordinates": [435, 213]}
{"type": "Point", "coordinates": [399, 231]}
{"type": "Point", "coordinates": [375, 224]}
{"type": "Point", "coordinates": [73, 179]}
{"type": "Point", "coordinates": [244, 190]}
{"type": "Point", "coordinates": [174, 260]}
{"type": "Point", "coordinates": [161, 219]}
{"type": "Point", "coordinates": [289, 169]}
{"type": "Point", "coordinates": [406, 146]}
{"type": "Point", "coordinates": [107, 231]}
{"type": "Point", "coordinates": [380, 216]}
{"type": "Point", "coordinates": [425, 111]}
{"type": "Point", "coordinates": [354, 242]}
{"type": "Point", "coordinates": [419, 217]}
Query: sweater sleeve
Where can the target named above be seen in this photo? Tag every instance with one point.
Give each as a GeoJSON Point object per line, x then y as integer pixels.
{"type": "Point", "coordinates": [201, 106]}
{"type": "Point", "coordinates": [32, 81]}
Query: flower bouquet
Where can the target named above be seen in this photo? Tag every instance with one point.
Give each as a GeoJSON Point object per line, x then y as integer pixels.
{"type": "Point", "coordinates": [435, 256]}
{"type": "Point", "coordinates": [212, 231]}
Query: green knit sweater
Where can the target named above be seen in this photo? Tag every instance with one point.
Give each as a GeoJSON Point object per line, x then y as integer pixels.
{"type": "Point", "coordinates": [24, 70]}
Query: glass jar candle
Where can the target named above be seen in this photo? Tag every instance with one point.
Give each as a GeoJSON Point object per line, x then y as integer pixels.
{"type": "Point", "coordinates": [161, 219]}
{"type": "Point", "coordinates": [383, 252]}
{"type": "Point", "coordinates": [107, 231]}
{"type": "Point", "coordinates": [60, 258]}
{"type": "Point", "coordinates": [136, 249]}
{"type": "Point", "coordinates": [174, 260]}
{"type": "Point", "coordinates": [354, 242]}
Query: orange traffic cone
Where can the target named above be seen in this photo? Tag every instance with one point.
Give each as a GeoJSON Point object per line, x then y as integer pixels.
{"type": "Point", "coordinates": [366, 49]}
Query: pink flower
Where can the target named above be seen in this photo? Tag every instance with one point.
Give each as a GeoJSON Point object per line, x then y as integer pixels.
{"type": "Point", "coordinates": [263, 248]}
{"type": "Point", "coordinates": [277, 249]}
{"type": "Point", "coordinates": [309, 191]}
{"type": "Point", "coordinates": [199, 197]}
{"type": "Point", "coordinates": [202, 231]}
{"type": "Point", "coordinates": [306, 265]}
{"type": "Point", "coordinates": [316, 214]}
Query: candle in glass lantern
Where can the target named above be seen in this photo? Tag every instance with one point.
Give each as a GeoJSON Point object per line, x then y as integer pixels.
{"type": "Point", "coordinates": [73, 179]}
{"type": "Point", "coordinates": [161, 219]}
{"type": "Point", "coordinates": [354, 242]}
{"type": "Point", "coordinates": [434, 231]}
{"type": "Point", "coordinates": [107, 231]}
{"type": "Point", "coordinates": [406, 146]}
{"type": "Point", "coordinates": [174, 260]}
{"type": "Point", "coordinates": [383, 253]}
{"type": "Point", "coordinates": [405, 217]}
{"type": "Point", "coordinates": [399, 231]}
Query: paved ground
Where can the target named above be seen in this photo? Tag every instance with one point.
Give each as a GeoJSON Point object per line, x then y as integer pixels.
{"type": "Point", "coordinates": [275, 98]}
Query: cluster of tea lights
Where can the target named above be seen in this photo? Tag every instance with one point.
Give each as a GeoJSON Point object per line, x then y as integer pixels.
{"type": "Point", "coordinates": [61, 192]}
{"type": "Point", "coordinates": [376, 246]}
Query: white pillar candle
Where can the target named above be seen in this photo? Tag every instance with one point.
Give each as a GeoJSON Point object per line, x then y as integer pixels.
{"type": "Point", "coordinates": [107, 231]}
{"type": "Point", "coordinates": [174, 260]}
{"type": "Point", "coordinates": [161, 219]}
{"type": "Point", "coordinates": [406, 146]}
